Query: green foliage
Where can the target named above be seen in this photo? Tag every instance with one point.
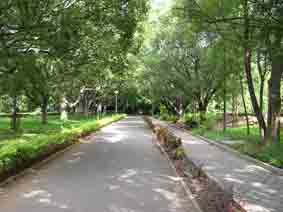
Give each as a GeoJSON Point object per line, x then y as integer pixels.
{"type": "Point", "coordinates": [211, 120]}
{"type": "Point", "coordinates": [166, 116]}
{"type": "Point", "coordinates": [191, 120]}
{"type": "Point", "coordinates": [50, 46]}
{"type": "Point", "coordinates": [20, 152]}
{"type": "Point", "coordinates": [164, 113]}
{"type": "Point", "coordinates": [271, 154]}
{"type": "Point", "coordinates": [179, 153]}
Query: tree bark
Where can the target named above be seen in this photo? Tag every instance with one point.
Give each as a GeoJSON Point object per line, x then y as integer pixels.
{"type": "Point", "coordinates": [152, 108]}
{"type": "Point", "coordinates": [224, 94]}
{"type": "Point", "coordinates": [245, 107]}
{"type": "Point", "coordinates": [262, 80]}
{"type": "Point", "coordinates": [273, 129]}
{"type": "Point", "coordinates": [248, 69]}
{"type": "Point", "coordinates": [85, 105]}
{"type": "Point", "coordinates": [14, 121]}
{"type": "Point", "coordinates": [44, 106]}
{"type": "Point", "coordinates": [202, 109]}
{"type": "Point", "coordinates": [64, 109]}
{"type": "Point", "coordinates": [235, 109]}
{"type": "Point", "coordinates": [224, 109]}
{"type": "Point", "coordinates": [256, 108]}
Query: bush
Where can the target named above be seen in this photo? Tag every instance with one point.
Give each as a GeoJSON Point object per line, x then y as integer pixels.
{"type": "Point", "coordinates": [271, 154]}
{"type": "Point", "coordinates": [172, 118]}
{"type": "Point", "coordinates": [164, 115]}
{"type": "Point", "coordinates": [179, 153]}
{"type": "Point", "coordinates": [211, 120]}
{"type": "Point", "coordinates": [18, 153]}
{"type": "Point", "coordinates": [191, 120]}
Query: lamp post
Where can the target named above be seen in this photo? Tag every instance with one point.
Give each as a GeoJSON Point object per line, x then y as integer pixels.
{"type": "Point", "coordinates": [116, 101]}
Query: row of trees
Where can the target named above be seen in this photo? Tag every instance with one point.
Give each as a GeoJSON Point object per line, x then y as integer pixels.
{"type": "Point", "coordinates": [60, 50]}
{"type": "Point", "coordinates": [210, 52]}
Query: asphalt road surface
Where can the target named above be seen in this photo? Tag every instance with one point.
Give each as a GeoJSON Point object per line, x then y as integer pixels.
{"type": "Point", "coordinates": [115, 170]}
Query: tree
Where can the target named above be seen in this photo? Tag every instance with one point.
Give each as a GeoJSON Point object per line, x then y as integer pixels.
{"type": "Point", "coordinates": [54, 43]}
{"type": "Point", "coordinates": [254, 24]}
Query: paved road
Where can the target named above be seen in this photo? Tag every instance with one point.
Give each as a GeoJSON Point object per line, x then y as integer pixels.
{"type": "Point", "coordinates": [116, 170]}
{"type": "Point", "coordinates": [256, 188]}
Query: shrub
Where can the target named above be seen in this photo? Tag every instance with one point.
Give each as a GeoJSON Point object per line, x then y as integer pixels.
{"type": "Point", "coordinates": [271, 154]}
{"type": "Point", "coordinates": [18, 154]}
{"type": "Point", "coordinates": [172, 118]}
{"type": "Point", "coordinates": [179, 153]}
{"type": "Point", "coordinates": [191, 120]}
{"type": "Point", "coordinates": [211, 120]}
{"type": "Point", "coordinates": [166, 116]}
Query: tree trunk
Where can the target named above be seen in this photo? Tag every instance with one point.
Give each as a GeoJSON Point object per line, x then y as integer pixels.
{"type": "Point", "coordinates": [274, 109]}
{"type": "Point", "coordinates": [224, 93]}
{"type": "Point", "coordinates": [64, 109]}
{"type": "Point", "coordinates": [256, 108]}
{"type": "Point", "coordinates": [235, 109]}
{"type": "Point", "coordinates": [180, 106]}
{"type": "Point", "coordinates": [44, 109]}
{"type": "Point", "coordinates": [262, 80]}
{"type": "Point", "coordinates": [261, 86]}
{"type": "Point", "coordinates": [202, 109]}
{"type": "Point", "coordinates": [14, 122]}
{"type": "Point", "coordinates": [245, 107]}
{"type": "Point", "coordinates": [248, 68]}
{"type": "Point", "coordinates": [152, 108]}
{"type": "Point", "coordinates": [274, 103]}
{"type": "Point", "coordinates": [85, 106]}
{"type": "Point", "coordinates": [29, 105]}
{"type": "Point", "coordinates": [224, 109]}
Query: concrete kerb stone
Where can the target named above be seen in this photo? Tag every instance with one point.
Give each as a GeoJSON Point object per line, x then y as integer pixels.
{"type": "Point", "coordinates": [190, 195]}
{"type": "Point", "coordinates": [227, 189]}
{"type": "Point", "coordinates": [272, 169]}
{"type": "Point", "coordinates": [36, 166]}
{"type": "Point", "coordinates": [224, 147]}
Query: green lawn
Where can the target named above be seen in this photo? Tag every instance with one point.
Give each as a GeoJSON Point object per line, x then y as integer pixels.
{"type": "Point", "coordinates": [35, 141]}
{"type": "Point", "coordinates": [239, 133]}
{"type": "Point", "coordinates": [31, 126]}
{"type": "Point", "coordinates": [272, 154]}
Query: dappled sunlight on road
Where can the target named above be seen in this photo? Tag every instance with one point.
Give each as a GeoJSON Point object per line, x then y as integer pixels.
{"type": "Point", "coordinates": [115, 170]}
{"type": "Point", "coordinates": [256, 188]}
{"type": "Point", "coordinates": [44, 197]}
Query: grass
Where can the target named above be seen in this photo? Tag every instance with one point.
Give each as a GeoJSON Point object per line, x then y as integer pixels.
{"type": "Point", "coordinates": [36, 141]}
{"type": "Point", "coordinates": [239, 133]}
{"type": "Point", "coordinates": [31, 126]}
{"type": "Point", "coordinates": [272, 154]}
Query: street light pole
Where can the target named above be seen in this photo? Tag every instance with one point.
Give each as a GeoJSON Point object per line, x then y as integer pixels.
{"type": "Point", "coordinates": [116, 101]}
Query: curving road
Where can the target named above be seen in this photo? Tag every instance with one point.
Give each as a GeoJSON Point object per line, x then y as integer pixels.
{"type": "Point", "coordinates": [115, 170]}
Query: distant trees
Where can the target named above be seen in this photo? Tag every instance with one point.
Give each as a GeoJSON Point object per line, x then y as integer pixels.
{"type": "Point", "coordinates": [185, 68]}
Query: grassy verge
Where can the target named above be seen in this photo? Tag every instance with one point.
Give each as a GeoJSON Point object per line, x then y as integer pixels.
{"type": "Point", "coordinates": [21, 151]}
{"type": "Point", "coordinates": [271, 154]}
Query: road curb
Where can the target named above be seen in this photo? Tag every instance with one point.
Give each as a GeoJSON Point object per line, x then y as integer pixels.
{"type": "Point", "coordinates": [270, 168]}
{"type": "Point", "coordinates": [50, 156]}
{"type": "Point", "coordinates": [183, 183]}
{"type": "Point", "coordinates": [37, 165]}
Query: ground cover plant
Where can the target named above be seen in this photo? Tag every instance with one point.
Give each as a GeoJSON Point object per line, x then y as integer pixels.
{"type": "Point", "coordinates": [24, 149]}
